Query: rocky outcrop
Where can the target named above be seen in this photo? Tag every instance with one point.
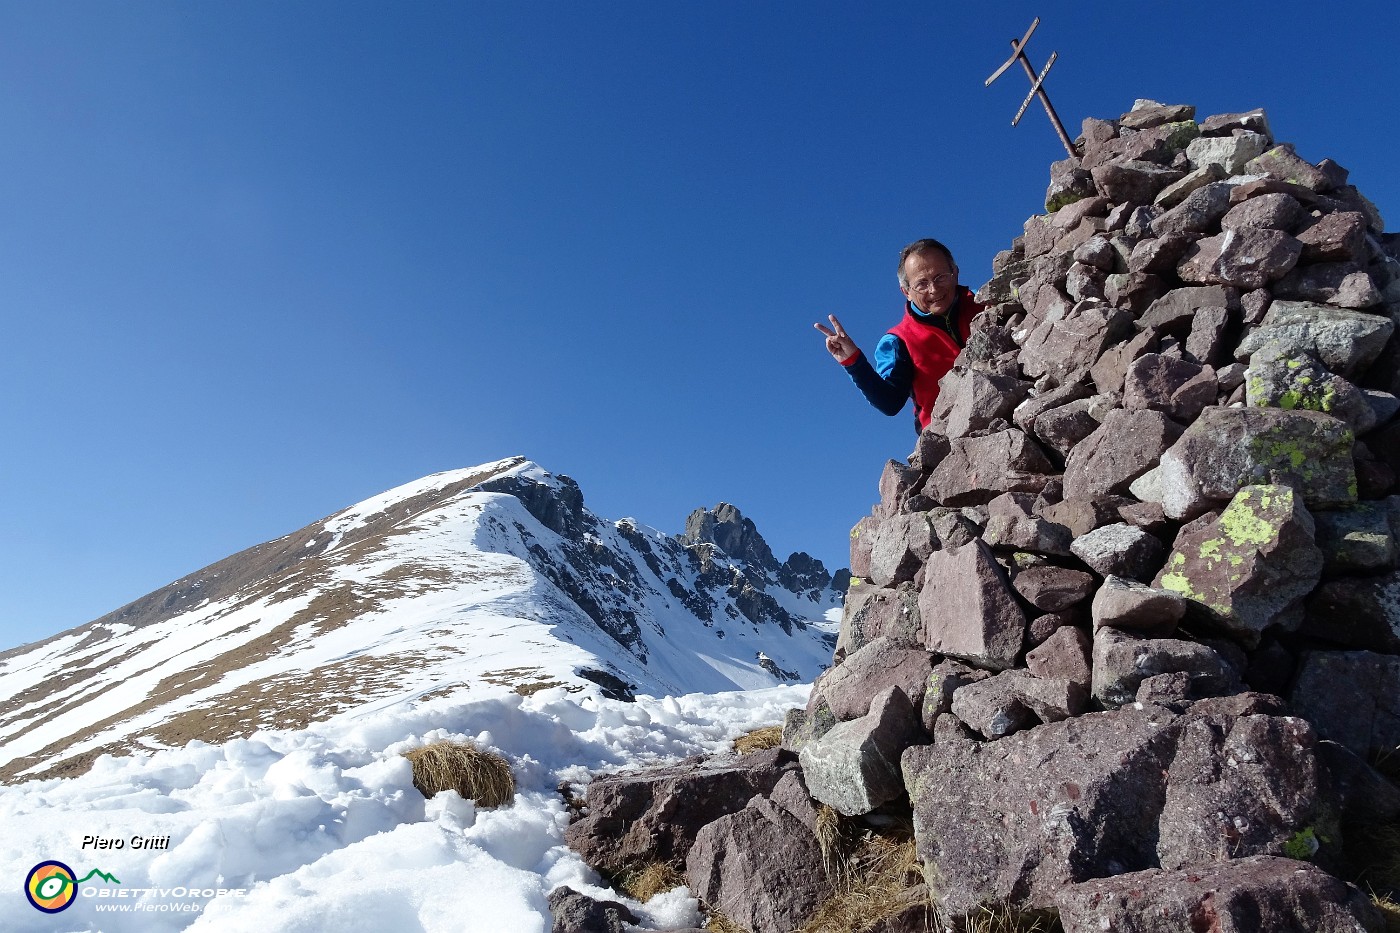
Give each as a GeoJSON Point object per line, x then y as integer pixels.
{"type": "Point", "coordinates": [1144, 557]}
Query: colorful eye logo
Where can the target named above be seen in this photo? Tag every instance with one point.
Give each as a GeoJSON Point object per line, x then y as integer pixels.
{"type": "Point", "coordinates": [51, 887]}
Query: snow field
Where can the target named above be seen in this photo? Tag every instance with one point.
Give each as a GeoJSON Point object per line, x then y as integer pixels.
{"type": "Point", "coordinates": [322, 828]}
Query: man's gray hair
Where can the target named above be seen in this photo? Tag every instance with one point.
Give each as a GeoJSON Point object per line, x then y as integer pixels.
{"type": "Point", "coordinates": [923, 246]}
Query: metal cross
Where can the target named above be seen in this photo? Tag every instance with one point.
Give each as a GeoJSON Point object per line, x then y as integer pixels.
{"type": "Point", "coordinates": [1018, 54]}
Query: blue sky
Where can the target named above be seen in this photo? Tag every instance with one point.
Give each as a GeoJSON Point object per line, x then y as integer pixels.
{"type": "Point", "coordinates": [261, 260]}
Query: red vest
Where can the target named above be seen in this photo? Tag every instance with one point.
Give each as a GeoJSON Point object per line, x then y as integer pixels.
{"type": "Point", "coordinates": [933, 350]}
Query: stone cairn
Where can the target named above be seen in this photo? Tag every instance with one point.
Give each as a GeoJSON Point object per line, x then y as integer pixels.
{"type": "Point", "coordinates": [1124, 642]}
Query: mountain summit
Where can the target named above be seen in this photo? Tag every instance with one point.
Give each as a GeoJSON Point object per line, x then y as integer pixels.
{"type": "Point", "coordinates": [492, 575]}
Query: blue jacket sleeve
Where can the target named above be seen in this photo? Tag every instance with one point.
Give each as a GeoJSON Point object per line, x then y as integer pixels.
{"type": "Point", "coordinates": [886, 384]}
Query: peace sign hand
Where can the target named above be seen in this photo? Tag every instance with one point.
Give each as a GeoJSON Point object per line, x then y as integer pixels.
{"type": "Point", "coordinates": [838, 343]}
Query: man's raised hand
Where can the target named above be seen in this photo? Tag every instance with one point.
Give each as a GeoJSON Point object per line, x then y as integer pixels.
{"type": "Point", "coordinates": [838, 344]}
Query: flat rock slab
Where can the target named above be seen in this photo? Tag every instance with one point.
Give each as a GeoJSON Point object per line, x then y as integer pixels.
{"type": "Point", "coordinates": [849, 687]}
{"type": "Point", "coordinates": [1357, 612]}
{"type": "Point", "coordinates": [1226, 449]}
{"type": "Point", "coordinates": [1019, 819]}
{"type": "Point", "coordinates": [1124, 447]}
{"type": "Point", "coordinates": [1123, 661]}
{"type": "Point", "coordinates": [969, 609]}
{"type": "Point", "coordinates": [978, 469]}
{"type": "Point", "coordinates": [1248, 895]}
{"type": "Point", "coordinates": [653, 815]}
{"type": "Point", "coordinates": [1346, 342]}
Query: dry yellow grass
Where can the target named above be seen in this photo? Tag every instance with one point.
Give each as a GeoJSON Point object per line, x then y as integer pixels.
{"type": "Point", "coordinates": [1390, 910]}
{"type": "Point", "coordinates": [1005, 920]}
{"type": "Point", "coordinates": [475, 774]}
{"type": "Point", "coordinates": [647, 881]}
{"type": "Point", "coordinates": [877, 877]}
{"type": "Point", "coordinates": [719, 923]}
{"type": "Point", "coordinates": [759, 739]}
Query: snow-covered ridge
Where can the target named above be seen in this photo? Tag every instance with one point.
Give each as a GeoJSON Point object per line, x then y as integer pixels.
{"type": "Point", "coordinates": [492, 576]}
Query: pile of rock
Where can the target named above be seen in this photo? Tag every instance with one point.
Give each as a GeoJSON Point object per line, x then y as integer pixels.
{"type": "Point", "coordinates": [1127, 632]}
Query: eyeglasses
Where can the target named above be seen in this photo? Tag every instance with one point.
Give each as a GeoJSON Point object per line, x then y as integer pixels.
{"type": "Point", "coordinates": [929, 285]}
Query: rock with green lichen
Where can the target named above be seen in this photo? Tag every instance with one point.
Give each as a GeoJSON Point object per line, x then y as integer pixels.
{"type": "Point", "coordinates": [1303, 383]}
{"type": "Point", "coordinates": [1346, 342]}
{"type": "Point", "coordinates": [1227, 153]}
{"type": "Point", "coordinates": [1283, 163]}
{"type": "Point", "coordinates": [1355, 540]}
{"type": "Point", "coordinates": [1227, 449]}
{"type": "Point", "coordinates": [1250, 567]}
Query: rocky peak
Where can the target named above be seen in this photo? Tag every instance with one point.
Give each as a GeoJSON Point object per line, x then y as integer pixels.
{"type": "Point", "coordinates": [726, 527]}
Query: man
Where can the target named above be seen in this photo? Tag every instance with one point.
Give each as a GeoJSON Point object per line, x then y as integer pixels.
{"type": "Point", "coordinates": [920, 349]}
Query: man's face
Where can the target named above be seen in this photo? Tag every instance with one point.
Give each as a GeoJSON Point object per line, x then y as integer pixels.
{"type": "Point", "coordinates": [931, 281]}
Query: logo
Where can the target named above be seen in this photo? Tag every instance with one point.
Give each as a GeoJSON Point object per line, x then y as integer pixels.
{"type": "Point", "coordinates": [52, 886]}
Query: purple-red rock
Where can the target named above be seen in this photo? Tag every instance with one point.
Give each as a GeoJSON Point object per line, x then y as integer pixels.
{"type": "Point", "coordinates": [969, 609]}
{"type": "Point", "coordinates": [997, 821]}
{"type": "Point", "coordinates": [1060, 347]}
{"type": "Point", "coordinates": [849, 687]}
{"type": "Point", "coordinates": [1283, 163]}
{"type": "Point", "coordinates": [1131, 181]}
{"type": "Point", "coordinates": [1198, 213]}
{"type": "Point", "coordinates": [1274, 210]}
{"type": "Point", "coordinates": [1251, 567]}
{"type": "Point", "coordinates": [1337, 283]}
{"type": "Point", "coordinates": [1352, 698]}
{"type": "Point", "coordinates": [653, 815]}
{"type": "Point", "coordinates": [762, 866]}
{"type": "Point", "coordinates": [1245, 895]}
{"type": "Point", "coordinates": [1175, 387]}
{"type": "Point", "coordinates": [1132, 607]}
{"type": "Point", "coordinates": [1050, 588]}
{"type": "Point", "coordinates": [1066, 654]}
{"type": "Point", "coordinates": [1357, 612]}
{"type": "Point", "coordinates": [1017, 699]}
{"type": "Point", "coordinates": [977, 469]}
{"type": "Point", "coordinates": [1125, 446]}
{"type": "Point", "coordinates": [574, 912]}
{"type": "Point", "coordinates": [1121, 662]}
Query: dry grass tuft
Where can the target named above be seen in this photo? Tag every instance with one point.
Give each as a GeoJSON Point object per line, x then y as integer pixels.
{"type": "Point", "coordinates": [477, 775]}
{"type": "Point", "coordinates": [646, 881]}
{"type": "Point", "coordinates": [877, 877]}
{"type": "Point", "coordinates": [1390, 910]}
{"type": "Point", "coordinates": [759, 739]}
{"type": "Point", "coordinates": [717, 922]}
{"type": "Point", "coordinates": [836, 836]}
{"type": "Point", "coordinates": [1002, 919]}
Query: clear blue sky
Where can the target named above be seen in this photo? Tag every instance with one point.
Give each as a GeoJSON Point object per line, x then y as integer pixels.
{"type": "Point", "coordinates": [260, 260]}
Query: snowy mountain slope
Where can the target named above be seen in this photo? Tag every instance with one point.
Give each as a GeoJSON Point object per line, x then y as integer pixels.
{"type": "Point", "coordinates": [494, 575]}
